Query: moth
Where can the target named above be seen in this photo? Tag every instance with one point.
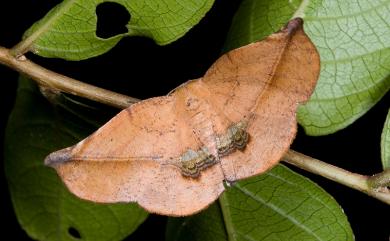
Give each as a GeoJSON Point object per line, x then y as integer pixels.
{"type": "Point", "coordinates": [172, 154]}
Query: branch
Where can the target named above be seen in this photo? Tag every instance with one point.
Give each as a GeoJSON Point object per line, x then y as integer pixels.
{"type": "Point", "coordinates": [50, 79]}
{"type": "Point", "coordinates": [372, 186]}
{"type": "Point", "coordinates": [380, 181]}
{"type": "Point", "coordinates": [349, 179]}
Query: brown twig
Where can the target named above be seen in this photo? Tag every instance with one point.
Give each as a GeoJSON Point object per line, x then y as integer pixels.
{"type": "Point", "coordinates": [339, 175]}
{"type": "Point", "coordinates": [50, 79]}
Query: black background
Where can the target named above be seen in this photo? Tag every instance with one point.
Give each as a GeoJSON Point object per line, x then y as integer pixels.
{"type": "Point", "coordinates": [139, 68]}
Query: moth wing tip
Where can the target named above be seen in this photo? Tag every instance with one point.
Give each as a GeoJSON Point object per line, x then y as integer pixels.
{"type": "Point", "coordinates": [58, 157]}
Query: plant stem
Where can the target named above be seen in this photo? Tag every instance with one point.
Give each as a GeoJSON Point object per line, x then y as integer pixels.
{"type": "Point", "coordinates": [47, 78]}
{"type": "Point", "coordinates": [50, 79]}
{"type": "Point", "coordinates": [380, 180]}
{"type": "Point", "coordinates": [349, 179]}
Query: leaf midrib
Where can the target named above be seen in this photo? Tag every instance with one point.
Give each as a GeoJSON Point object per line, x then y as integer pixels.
{"type": "Point", "coordinates": [277, 210]}
{"type": "Point", "coordinates": [60, 9]}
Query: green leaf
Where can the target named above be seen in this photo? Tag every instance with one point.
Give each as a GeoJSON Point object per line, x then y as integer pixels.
{"type": "Point", "coordinates": [69, 30]}
{"type": "Point", "coordinates": [44, 207]}
{"type": "Point", "coordinates": [385, 143]}
{"type": "Point", "coordinates": [205, 226]}
{"type": "Point", "coordinates": [278, 205]}
{"type": "Point", "coordinates": [353, 39]}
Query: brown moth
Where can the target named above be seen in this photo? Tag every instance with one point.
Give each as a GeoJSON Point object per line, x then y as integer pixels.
{"type": "Point", "coordinates": [171, 154]}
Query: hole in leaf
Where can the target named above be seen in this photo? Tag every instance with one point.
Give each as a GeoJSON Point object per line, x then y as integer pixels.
{"type": "Point", "coordinates": [111, 19]}
{"type": "Point", "coordinates": [74, 233]}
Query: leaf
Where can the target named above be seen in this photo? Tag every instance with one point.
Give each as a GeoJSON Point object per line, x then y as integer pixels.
{"type": "Point", "coordinates": [206, 226]}
{"type": "Point", "coordinates": [278, 205]}
{"type": "Point", "coordinates": [353, 39]}
{"type": "Point", "coordinates": [385, 143]}
{"type": "Point", "coordinates": [69, 30]}
{"type": "Point", "coordinates": [171, 154]}
{"type": "Point", "coordinates": [44, 208]}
